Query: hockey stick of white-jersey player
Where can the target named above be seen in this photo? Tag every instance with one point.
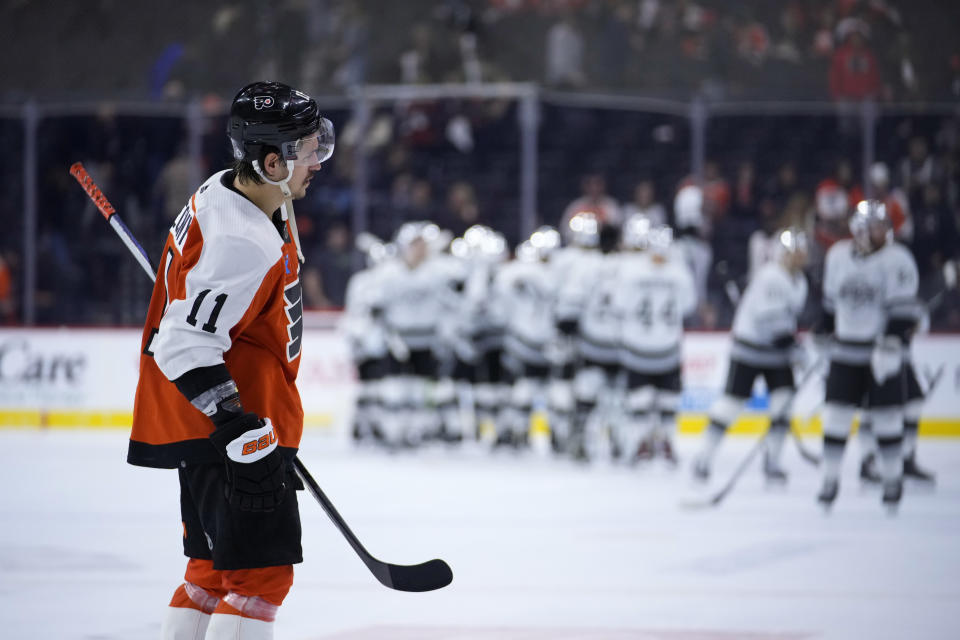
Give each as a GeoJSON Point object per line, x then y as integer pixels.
{"type": "Point", "coordinates": [716, 498]}
{"type": "Point", "coordinates": [734, 295]}
{"type": "Point", "coordinates": [427, 576]}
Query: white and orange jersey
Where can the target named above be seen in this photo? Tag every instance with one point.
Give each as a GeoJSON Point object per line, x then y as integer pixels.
{"type": "Point", "coordinates": [227, 292]}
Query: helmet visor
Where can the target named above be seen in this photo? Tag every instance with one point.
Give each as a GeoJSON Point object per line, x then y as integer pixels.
{"type": "Point", "coordinates": [311, 149]}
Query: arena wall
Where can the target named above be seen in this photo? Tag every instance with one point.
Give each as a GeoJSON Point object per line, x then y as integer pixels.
{"type": "Point", "coordinates": [86, 378]}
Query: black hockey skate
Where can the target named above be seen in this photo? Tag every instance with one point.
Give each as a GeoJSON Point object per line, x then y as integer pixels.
{"type": "Point", "coordinates": [868, 470]}
{"type": "Point", "coordinates": [665, 450]}
{"type": "Point", "coordinates": [892, 492]}
{"type": "Point", "coordinates": [828, 493]}
{"type": "Point", "coordinates": [701, 470]}
{"type": "Point", "coordinates": [645, 450]}
{"type": "Point", "coordinates": [914, 471]}
{"type": "Point", "coordinates": [773, 473]}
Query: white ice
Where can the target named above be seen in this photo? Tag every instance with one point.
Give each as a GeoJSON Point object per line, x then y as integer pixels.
{"type": "Point", "coordinates": [90, 548]}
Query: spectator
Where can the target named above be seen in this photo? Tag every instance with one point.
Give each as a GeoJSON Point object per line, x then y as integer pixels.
{"type": "Point", "coordinates": [744, 200]}
{"type": "Point", "coordinates": [854, 74]}
{"type": "Point", "coordinates": [421, 62]}
{"type": "Point", "coordinates": [461, 211]}
{"type": "Point", "coordinates": [644, 203]}
{"type": "Point", "coordinates": [785, 195]}
{"type": "Point", "coordinates": [919, 169]}
{"type": "Point", "coordinates": [333, 265]}
{"type": "Point", "coordinates": [834, 199]}
{"type": "Point", "coordinates": [564, 55]}
{"type": "Point", "coordinates": [7, 303]}
{"type": "Point", "coordinates": [935, 239]}
{"type": "Point", "coordinates": [594, 200]}
{"type": "Point", "coordinates": [716, 193]}
{"type": "Point", "coordinates": [614, 46]}
{"type": "Point", "coordinates": [895, 200]}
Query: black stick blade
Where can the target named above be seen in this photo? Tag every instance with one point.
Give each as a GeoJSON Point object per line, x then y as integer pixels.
{"type": "Point", "coordinates": [428, 576]}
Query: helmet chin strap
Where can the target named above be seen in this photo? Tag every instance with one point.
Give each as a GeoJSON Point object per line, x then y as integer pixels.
{"type": "Point", "coordinates": [286, 209]}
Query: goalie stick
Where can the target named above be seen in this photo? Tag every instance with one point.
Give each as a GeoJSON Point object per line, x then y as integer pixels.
{"type": "Point", "coordinates": [427, 576]}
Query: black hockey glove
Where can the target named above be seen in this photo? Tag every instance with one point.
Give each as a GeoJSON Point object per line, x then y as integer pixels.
{"type": "Point", "coordinates": [568, 326]}
{"type": "Point", "coordinates": [256, 471]}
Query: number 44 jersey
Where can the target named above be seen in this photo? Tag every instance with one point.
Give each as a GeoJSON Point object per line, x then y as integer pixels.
{"type": "Point", "coordinates": [654, 294]}
{"type": "Point", "coordinates": [227, 292]}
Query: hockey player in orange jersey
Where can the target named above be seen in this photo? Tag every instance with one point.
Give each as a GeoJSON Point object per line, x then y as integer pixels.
{"type": "Point", "coordinates": [217, 396]}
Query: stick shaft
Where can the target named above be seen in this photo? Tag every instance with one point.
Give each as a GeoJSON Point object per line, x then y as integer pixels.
{"type": "Point", "coordinates": [78, 171]}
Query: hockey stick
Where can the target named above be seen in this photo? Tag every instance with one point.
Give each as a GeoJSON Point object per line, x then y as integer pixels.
{"type": "Point", "coordinates": [430, 575]}
{"type": "Point", "coordinates": [805, 453]}
{"type": "Point", "coordinates": [427, 576]}
{"type": "Point", "coordinates": [717, 498]}
{"type": "Point", "coordinates": [110, 214]}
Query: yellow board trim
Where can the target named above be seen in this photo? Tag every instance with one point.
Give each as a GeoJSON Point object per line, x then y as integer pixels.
{"type": "Point", "coordinates": [756, 424]}
{"type": "Point", "coordinates": [120, 420]}
{"type": "Point", "coordinates": [687, 424]}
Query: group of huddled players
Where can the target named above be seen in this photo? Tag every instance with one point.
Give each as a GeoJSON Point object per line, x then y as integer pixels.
{"type": "Point", "coordinates": [453, 339]}
{"type": "Point", "coordinates": [456, 340]}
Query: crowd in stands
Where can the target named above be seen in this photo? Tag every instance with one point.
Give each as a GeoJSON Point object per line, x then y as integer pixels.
{"type": "Point", "coordinates": [457, 162]}
{"type": "Point", "coordinates": [841, 49]}
{"type": "Point", "coordinates": [760, 174]}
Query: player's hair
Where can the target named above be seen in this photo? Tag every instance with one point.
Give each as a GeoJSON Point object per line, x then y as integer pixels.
{"type": "Point", "coordinates": [244, 168]}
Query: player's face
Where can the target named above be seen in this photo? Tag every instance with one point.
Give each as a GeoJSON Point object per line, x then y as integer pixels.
{"type": "Point", "coordinates": [878, 235]}
{"type": "Point", "coordinates": [302, 176]}
{"type": "Point", "coordinates": [798, 259]}
{"type": "Point", "coordinates": [416, 253]}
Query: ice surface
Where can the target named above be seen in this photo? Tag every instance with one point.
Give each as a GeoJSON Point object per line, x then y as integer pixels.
{"type": "Point", "coordinates": [90, 548]}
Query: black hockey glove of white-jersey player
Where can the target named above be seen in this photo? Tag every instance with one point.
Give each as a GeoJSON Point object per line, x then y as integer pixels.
{"type": "Point", "coordinates": [256, 470]}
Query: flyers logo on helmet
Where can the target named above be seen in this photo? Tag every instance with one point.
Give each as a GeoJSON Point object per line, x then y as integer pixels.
{"type": "Point", "coordinates": [262, 102]}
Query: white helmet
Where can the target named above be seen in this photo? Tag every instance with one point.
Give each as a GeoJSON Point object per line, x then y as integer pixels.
{"type": "Point", "coordinates": [688, 207]}
{"type": "Point", "coordinates": [539, 246]}
{"type": "Point", "coordinates": [583, 229]}
{"type": "Point", "coordinates": [480, 242]}
{"type": "Point", "coordinates": [375, 249]}
{"type": "Point", "coordinates": [792, 241]}
{"type": "Point", "coordinates": [869, 218]}
{"type": "Point", "coordinates": [636, 232]}
{"type": "Point", "coordinates": [640, 234]}
{"type": "Point", "coordinates": [879, 175]}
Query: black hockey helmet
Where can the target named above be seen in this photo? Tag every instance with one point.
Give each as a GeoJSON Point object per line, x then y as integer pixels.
{"type": "Point", "coordinates": [275, 114]}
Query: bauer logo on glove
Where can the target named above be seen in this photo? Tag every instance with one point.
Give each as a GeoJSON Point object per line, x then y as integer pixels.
{"type": "Point", "coordinates": [254, 444]}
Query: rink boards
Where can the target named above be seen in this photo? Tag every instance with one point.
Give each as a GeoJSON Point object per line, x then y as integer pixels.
{"type": "Point", "coordinates": [70, 377]}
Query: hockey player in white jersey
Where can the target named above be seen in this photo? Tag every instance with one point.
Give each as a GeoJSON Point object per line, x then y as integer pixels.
{"type": "Point", "coordinates": [362, 323]}
{"type": "Point", "coordinates": [412, 295]}
{"type": "Point", "coordinates": [870, 309]}
{"type": "Point", "coordinates": [587, 339]}
{"type": "Point", "coordinates": [526, 289]}
{"type": "Point", "coordinates": [570, 266]}
{"type": "Point", "coordinates": [692, 237]}
{"type": "Point", "coordinates": [764, 345]}
{"type": "Point", "coordinates": [478, 330]}
{"type": "Point", "coordinates": [654, 292]}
